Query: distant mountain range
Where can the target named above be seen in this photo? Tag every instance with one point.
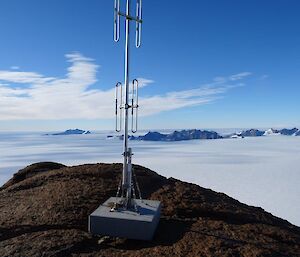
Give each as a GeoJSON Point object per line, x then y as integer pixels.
{"type": "Point", "coordinates": [70, 132]}
{"type": "Point", "coordinates": [206, 134]}
{"type": "Point", "coordinates": [178, 135]}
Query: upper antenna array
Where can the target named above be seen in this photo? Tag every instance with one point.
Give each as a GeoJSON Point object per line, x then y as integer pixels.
{"type": "Point", "coordinates": [138, 20]}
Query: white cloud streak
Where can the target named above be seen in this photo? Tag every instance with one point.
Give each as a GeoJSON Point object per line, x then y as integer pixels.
{"type": "Point", "coordinates": [240, 76]}
{"type": "Point", "coordinates": [30, 95]}
{"type": "Point", "coordinates": [15, 67]}
{"type": "Point", "coordinates": [144, 82]}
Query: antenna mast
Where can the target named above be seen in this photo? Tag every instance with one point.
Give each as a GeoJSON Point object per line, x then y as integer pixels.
{"type": "Point", "coordinates": [125, 215]}
{"type": "Point", "coordinates": [129, 98]}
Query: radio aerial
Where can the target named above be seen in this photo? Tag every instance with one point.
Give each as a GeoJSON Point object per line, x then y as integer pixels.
{"type": "Point", "coordinates": [125, 215]}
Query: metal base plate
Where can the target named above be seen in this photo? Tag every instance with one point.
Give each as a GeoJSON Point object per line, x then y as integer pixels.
{"type": "Point", "coordinates": [139, 225]}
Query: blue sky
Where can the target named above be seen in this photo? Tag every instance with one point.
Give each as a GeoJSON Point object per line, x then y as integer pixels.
{"type": "Point", "coordinates": [203, 64]}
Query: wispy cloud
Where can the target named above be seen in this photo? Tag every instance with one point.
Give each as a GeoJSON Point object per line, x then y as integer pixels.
{"type": "Point", "coordinates": [15, 67]}
{"type": "Point", "coordinates": [30, 95]}
{"type": "Point", "coordinates": [144, 82]}
{"type": "Point", "coordinates": [263, 77]}
{"type": "Point", "coordinates": [201, 95]}
{"type": "Point", "coordinates": [240, 76]}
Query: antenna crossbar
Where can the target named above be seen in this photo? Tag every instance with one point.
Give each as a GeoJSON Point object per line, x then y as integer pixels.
{"type": "Point", "coordinates": [130, 17]}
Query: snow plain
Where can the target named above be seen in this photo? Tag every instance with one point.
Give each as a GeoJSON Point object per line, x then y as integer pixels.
{"type": "Point", "coordinates": [260, 171]}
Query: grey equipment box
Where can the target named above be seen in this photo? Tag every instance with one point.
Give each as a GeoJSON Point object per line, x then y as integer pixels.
{"type": "Point", "coordinates": [126, 223]}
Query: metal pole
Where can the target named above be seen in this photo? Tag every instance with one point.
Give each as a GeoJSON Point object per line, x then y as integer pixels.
{"type": "Point", "coordinates": [127, 153]}
{"type": "Point", "coordinates": [126, 181]}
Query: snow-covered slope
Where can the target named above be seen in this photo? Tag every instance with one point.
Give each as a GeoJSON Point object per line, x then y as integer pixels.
{"type": "Point", "coordinates": [272, 132]}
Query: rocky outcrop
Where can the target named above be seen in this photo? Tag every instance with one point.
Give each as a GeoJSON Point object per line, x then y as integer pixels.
{"type": "Point", "coordinates": [44, 212]}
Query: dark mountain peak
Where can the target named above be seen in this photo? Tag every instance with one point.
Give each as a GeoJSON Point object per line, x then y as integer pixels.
{"type": "Point", "coordinates": [153, 136]}
{"type": "Point", "coordinates": [252, 133]}
{"type": "Point", "coordinates": [288, 132]}
{"type": "Point", "coordinates": [179, 135]}
{"type": "Point", "coordinates": [71, 132]}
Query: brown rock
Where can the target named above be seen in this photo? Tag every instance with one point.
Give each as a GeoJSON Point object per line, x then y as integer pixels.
{"type": "Point", "coordinates": [44, 210]}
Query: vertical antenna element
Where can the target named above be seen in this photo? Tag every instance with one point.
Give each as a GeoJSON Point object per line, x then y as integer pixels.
{"type": "Point", "coordinates": [118, 106]}
{"type": "Point", "coordinates": [117, 21]}
{"type": "Point", "coordinates": [134, 105]}
{"type": "Point", "coordinates": [138, 23]}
